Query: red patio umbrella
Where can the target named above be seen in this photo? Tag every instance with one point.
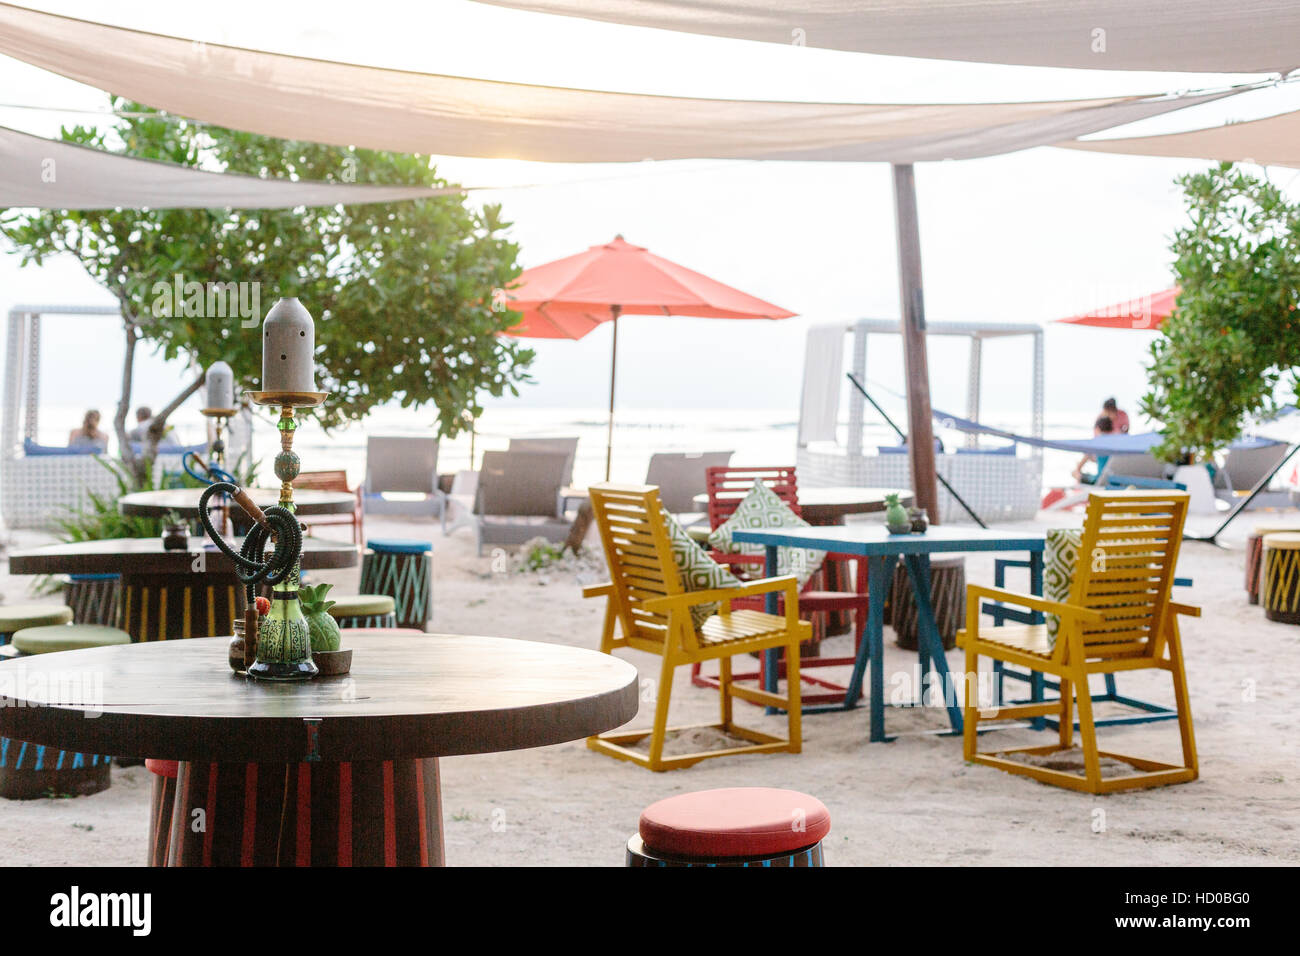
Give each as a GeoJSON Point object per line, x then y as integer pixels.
{"type": "Point", "coordinates": [569, 297]}
{"type": "Point", "coordinates": [1145, 312]}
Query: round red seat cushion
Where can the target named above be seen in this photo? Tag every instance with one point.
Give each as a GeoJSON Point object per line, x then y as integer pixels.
{"type": "Point", "coordinates": [163, 768]}
{"type": "Point", "coordinates": [737, 821]}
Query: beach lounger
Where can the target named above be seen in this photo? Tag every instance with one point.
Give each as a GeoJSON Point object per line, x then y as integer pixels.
{"type": "Point", "coordinates": [680, 476]}
{"type": "Point", "coordinates": [565, 446]}
{"type": "Point", "coordinates": [1118, 616]}
{"type": "Point", "coordinates": [518, 497]}
{"type": "Point", "coordinates": [649, 609]}
{"type": "Point", "coordinates": [406, 466]}
{"type": "Point", "coordinates": [1244, 468]}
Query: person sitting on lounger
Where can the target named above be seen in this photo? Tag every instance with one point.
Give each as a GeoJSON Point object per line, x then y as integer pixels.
{"type": "Point", "coordinates": [1102, 426]}
{"type": "Point", "coordinates": [88, 435]}
{"type": "Point", "coordinates": [1118, 417]}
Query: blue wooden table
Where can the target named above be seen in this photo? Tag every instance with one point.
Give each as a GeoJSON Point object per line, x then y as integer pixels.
{"type": "Point", "coordinates": [882, 550]}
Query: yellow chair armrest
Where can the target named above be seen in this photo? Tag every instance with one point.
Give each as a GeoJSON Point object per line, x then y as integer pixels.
{"type": "Point", "coordinates": [598, 590]}
{"type": "Point", "coordinates": [1082, 614]}
{"type": "Point", "coordinates": [787, 583]}
{"type": "Point", "coordinates": [1187, 609]}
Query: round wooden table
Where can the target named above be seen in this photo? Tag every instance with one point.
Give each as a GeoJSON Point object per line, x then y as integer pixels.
{"type": "Point", "coordinates": [336, 771]}
{"type": "Point", "coordinates": [185, 501]}
{"type": "Point", "coordinates": [169, 594]}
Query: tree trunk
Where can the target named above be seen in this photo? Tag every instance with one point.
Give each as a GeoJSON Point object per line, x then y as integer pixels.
{"type": "Point", "coordinates": [158, 425]}
{"type": "Point", "coordinates": [124, 399]}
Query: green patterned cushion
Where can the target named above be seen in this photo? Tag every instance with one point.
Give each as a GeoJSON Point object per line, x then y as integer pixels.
{"type": "Point", "coordinates": [762, 508]}
{"type": "Point", "coordinates": [1058, 571]}
{"type": "Point", "coordinates": [698, 571]}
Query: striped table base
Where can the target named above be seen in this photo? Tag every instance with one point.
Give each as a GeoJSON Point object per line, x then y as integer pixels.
{"type": "Point", "coordinates": [639, 855]}
{"type": "Point", "coordinates": [161, 806]}
{"type": "Point", "coordinates": [31, 771]}
{"type": "Point", "coordinates": [94, 599]}
{"type": "Point", "coordinates": [367, 813]}
{"type": "Point", "coordinates": [158, 607]}
{"type": "Point", "coordinates": [1254, 555]}
{"type": "Point", "coordinates": [406, 578]}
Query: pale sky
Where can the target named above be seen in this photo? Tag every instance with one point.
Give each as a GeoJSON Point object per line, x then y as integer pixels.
{"type": "Point", "coordinates": [1026, 237]}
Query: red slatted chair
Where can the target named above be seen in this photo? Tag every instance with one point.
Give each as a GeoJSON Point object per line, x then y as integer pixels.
{"type": "Point", "coordinates": [727, 487]}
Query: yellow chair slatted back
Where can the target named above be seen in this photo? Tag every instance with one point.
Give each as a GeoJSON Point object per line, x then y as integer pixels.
{"type": "Point", "coordinates": [1126, 562]}
{"type": "Point", "coordinates": [638, 552]}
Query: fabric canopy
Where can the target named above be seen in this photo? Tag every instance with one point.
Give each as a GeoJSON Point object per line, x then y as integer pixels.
{"type": "Point", "coordinates": [1189, 36]}
{"type": "Point", "coordinates": [350, 105]}
{"type": "Point", "coordinates": [1145, 312]}
{"type": "Point", "coordinates": [49, 174]}
{"type": "Point", "coordinates": [1273, 141]}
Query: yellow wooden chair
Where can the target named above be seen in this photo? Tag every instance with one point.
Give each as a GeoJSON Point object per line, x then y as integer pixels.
{"type": "Point", "coordinates": [649, 609]}
{"type": "Point", "coordinates": [1118, 617]}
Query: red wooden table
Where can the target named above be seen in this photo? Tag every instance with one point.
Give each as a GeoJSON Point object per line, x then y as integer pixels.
{"type": "Point", "coordinates": [332, 772]}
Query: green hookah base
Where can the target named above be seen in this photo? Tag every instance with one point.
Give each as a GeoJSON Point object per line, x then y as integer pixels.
{"type": "Point", "coordinates": [279, 670]}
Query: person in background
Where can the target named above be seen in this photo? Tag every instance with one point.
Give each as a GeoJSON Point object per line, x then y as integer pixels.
{"type": "Point", "coordinates": [88, 435]}
{"type": "Point", "coordinates": [1104, 425]}
{"type": "Point", "coordinates": [142, 416]}
{"type": "Point", "coordinates": [1119, 418]}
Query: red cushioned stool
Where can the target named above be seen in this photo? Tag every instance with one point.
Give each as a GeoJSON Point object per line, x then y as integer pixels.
{"type": "Point", "coordinates": [738, 826]}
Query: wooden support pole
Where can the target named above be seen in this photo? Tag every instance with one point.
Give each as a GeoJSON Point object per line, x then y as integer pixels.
{"type": "Point", "coordinates": [920, 428]}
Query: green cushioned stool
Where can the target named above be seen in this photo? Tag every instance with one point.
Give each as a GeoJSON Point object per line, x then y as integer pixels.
{"type": "Point", "coordinates": [403, 570]}
{"type": "Point", "coordinates": [67, 637]}
{"type": "Point", "coordinates": [29, 771]}
{"type": "Point", "coordinates": [15, 617]}
{"type": "Point", "coordinates": [363, 610]}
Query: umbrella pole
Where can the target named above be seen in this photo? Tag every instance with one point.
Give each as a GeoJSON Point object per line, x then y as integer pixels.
{"type": "Point", "coordinates": [920, 446]}
{"type": "Point", "coordinates": [613, 369]}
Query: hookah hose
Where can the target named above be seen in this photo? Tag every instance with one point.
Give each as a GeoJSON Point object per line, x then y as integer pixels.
{"type": "Point", "coordinates": [212, 472]}
{"type": "Point", "coordinates": [277, 521]}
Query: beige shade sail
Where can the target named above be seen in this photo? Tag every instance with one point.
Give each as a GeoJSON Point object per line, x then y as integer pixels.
{"type": "Point", "coordinates": [50, 174]}
{"type": "Point", "coordinates": [1273, 141]}
{"type": "Point", "coordinates": [351, 105]}
{"type": "Point", "coordinates": [1187, 36]}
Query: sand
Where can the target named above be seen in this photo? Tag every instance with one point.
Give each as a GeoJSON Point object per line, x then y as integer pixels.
{"type": "Point", "coordinates": [911, 801]}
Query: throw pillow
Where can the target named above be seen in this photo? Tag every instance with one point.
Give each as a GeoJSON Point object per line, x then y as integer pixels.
{"type": "Point", "coordinates": [763, 508]}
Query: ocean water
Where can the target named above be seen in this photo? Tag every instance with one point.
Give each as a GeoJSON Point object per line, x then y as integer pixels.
{"type": "Point", "coordinates": [755, 436]}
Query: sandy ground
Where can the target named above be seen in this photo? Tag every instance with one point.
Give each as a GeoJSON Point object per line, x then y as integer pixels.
{"type": "Point", "coordinates": [912, 801]}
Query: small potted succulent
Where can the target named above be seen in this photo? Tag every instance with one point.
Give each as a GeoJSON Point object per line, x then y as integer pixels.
{"type": "Point", "coordinates": [324, 630]}
{"type": "Point", "coordinates": [175, 532]}
{"type": "Point", "coordinates": [897, 519]}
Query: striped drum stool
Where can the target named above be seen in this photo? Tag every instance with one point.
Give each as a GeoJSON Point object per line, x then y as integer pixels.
{"type": "Point", "coordinates": [93, 597]}
{"type": "Point", "coordinates": [404, 571]}
{"type": "Point", "coordinates": [1280, 590]}
{"type": "Point", "coordinates": [363, 610]}
{"type": "Point", "coordinates": [1255, 554]}
{"type": "Point", "coordinates": [15, 617]}
{"type": "Point", "coordinates": [29, 771]}
{"type": "Point", "coordinates": [947, 598]}
{"type": "Point", "coordinates": [740, 826]}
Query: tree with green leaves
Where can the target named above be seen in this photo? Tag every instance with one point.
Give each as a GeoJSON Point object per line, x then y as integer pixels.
{"type": "Point", "coordinates": [405, 294]}
{"type": "Point", "coordinates": [1234, 335]}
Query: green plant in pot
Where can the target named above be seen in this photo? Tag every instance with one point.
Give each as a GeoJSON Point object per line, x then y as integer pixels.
{"type": "Point", "coordinates": [175, 533]}
{"type": "Point", "coordinates": [324, 631]}
{"type": "Point", "coordinates": [897, 520]}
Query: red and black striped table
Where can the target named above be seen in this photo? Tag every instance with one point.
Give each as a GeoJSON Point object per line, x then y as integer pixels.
{"type": "Point", "coordinates": [332, 772]}
{"type": "Point", "coordinates": [169, 594]}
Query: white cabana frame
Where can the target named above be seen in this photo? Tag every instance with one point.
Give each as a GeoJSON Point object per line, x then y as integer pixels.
{"type": "Point", "coordinates": [998, 487]}
{"type": "Point", "coordinates": [35, 490]}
